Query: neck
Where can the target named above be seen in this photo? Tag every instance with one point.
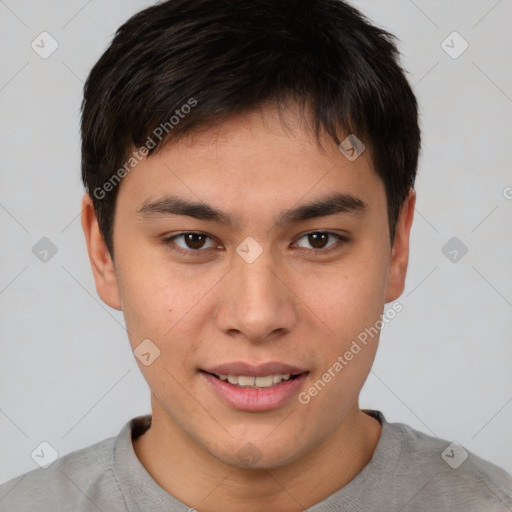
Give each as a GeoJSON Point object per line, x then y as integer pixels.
{"type": "Point", "coordinates": [196, 478]}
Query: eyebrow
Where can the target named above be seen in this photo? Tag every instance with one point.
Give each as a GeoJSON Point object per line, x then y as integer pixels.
{"type": "Point", "coordinates": [329, 205]}
{"type": "Point", "coordinates": [173, 205]}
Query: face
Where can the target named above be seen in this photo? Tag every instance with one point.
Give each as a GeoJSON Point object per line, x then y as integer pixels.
{"type": "Point", "coordinates": [252, 259]}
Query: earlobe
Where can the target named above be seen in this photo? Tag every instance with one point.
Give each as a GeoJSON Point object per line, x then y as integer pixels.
{"type": "Point", "coordinates": [101, 262]}
{"type": "Point", "coordinates": [400, 250]}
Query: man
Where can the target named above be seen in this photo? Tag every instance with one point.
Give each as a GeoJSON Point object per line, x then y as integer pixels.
{"type": "Point", "coordinates": [249, 169]}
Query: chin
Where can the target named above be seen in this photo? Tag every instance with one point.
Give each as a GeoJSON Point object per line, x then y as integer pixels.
{"type": "Point", "coordinates": [258, 454]}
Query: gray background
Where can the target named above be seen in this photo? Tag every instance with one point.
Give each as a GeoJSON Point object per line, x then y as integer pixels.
{"type": "Point", "coordinates": [67, 375]}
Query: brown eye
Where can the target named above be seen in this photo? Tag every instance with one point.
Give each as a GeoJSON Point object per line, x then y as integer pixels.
{"type": "Point", "coordinates": [194, 240]}
{"type": "Point", "coordinates": [190, 242]}
{"type": "Point", "coordinates": [321, 241]}
{"type": "Point", "coordinates": [318, 240]}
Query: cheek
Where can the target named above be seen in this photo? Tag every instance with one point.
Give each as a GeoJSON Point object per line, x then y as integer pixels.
{"type": "Point", "coordinates": [348, 298]}
{"type": "Point", "coordinates": [352, 307]}
{"type": "Point", "coordinates": [156, 311]}
{"type": "Point", "coordinates": [350, 303]}
{"type": "Point", "coordinates": [162, 302]}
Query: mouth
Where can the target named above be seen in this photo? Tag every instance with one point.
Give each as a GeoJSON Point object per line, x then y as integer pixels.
{"type": "Point", "coordinates": [255, 388]}
{"type": "Point", "coordinates": [251, 382]}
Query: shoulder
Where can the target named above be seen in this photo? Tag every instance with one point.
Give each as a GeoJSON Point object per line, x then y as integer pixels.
{"type": "Point", "coordinates": [444, 473]}
{"type": "Point", "coordinates": [81, 480]}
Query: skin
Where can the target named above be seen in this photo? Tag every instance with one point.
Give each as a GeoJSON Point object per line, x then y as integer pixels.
{"type": "Point", "coordinates": [293, 304]}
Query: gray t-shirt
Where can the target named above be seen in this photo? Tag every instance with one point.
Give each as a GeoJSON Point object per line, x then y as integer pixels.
{"type": "Point", "coordinates": [409, 471]}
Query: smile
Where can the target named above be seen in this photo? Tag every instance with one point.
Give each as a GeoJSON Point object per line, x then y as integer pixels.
{"type": "Point", "coordinates": [247, 381]}
{"type": "Point", "coordinates": [270, 386]}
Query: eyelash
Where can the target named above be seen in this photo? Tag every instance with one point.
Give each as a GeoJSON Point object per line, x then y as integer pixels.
{"type": "Point", "coordinates": [193, 252]}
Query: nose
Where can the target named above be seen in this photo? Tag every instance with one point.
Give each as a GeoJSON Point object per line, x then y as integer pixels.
{"type": "Point", "coordinates": [256, 303]}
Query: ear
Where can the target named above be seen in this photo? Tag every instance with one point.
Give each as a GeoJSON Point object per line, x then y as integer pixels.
{"type": "Point", "coordinates": [99, 256]}
{"type": "Point", "coordinates": [400, 249]}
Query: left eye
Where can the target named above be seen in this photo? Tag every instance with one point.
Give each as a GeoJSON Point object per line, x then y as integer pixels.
{"type": "Point", "coordinates": [193, 241]}
{"type": "Point", "coordinates": [320, 239]}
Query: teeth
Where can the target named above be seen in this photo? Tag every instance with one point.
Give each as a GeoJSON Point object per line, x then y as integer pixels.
{"type": "Point", "coordinates": [245, 381]}
{"type": "Point", "coordinates": [264, 382]}
{"type": "Point", "coordinates": [233, 379]}
{"type": "Point", "coordinates": [255, 382]}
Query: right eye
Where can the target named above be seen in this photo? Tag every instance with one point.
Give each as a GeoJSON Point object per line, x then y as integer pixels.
{"type": "Point", "coordinates": [189, 242]}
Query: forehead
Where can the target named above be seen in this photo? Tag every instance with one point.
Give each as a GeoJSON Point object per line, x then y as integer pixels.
{"type": "Point", "coordinates": [257, 160]}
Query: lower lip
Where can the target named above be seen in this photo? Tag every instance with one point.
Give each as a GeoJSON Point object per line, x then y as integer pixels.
{"type": "Point", "coordinates": [253, 399]}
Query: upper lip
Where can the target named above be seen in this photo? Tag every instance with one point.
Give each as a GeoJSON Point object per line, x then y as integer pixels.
{"type": "Point", "coordinates": [246, 369]}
